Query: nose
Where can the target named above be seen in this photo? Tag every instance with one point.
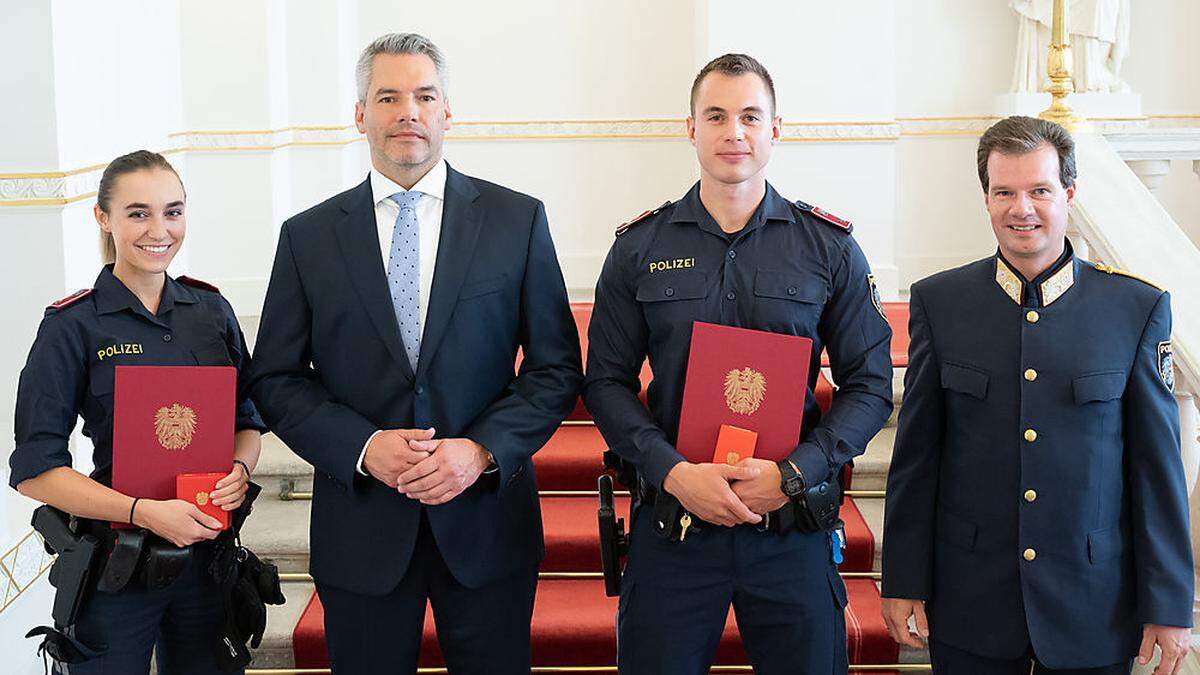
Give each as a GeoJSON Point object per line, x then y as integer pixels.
{"type": "Point", "coordinates": [156, 228]}
{"type": "Point", "coordinates": [407, 110]}
{"type": "Point", "coordinates": [737, 132]}
{"type": "Point", "coordinates": [1022, 205]}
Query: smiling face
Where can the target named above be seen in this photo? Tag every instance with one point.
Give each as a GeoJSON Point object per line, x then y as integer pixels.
{"type": "Point", "coordinates": [145, 218]}
{"type": "Point", "coordinates": [733, 127]}
{"type": "Point", "coordinates": [1028, 206]}
{"type": "Point", "coordinates": [405, 116]}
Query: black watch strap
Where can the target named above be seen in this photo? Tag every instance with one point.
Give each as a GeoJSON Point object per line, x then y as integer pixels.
{"type": "Point", "coordinates": [791, 481]}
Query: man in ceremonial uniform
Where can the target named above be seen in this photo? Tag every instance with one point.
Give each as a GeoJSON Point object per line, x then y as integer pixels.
{"type": "Point", "coordinates": [732, 251]}
{"type": "Point", "coordinates": [1036, 510]}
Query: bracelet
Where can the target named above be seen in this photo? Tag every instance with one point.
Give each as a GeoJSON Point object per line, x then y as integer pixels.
{"type": "Point", "coordinates": [244, 467]}
{"type": "Point", "coordinates": [132, 507]}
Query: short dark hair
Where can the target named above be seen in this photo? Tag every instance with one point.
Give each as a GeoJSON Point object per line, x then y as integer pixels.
{"type": "Point", "coordinates": [733, 65]}
{"type": "Point", "coordinates": [138, 160]}
{"type": "Point", "coordinates": [1018, 135]}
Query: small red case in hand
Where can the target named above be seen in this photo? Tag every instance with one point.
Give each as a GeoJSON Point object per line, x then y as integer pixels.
{"type": "Point", "coordinates": [196, 488]}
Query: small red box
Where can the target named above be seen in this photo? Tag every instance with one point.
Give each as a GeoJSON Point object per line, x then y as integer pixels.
{"type": "Point", "coordinates": [196, 488]}
{"type": "Point", "coordinates": [734, 444]}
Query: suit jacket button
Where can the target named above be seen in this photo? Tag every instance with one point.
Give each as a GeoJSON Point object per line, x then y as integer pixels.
{"type": "Point", "coordinates": [1030, 435]}
{"type": "Point", "coordinates": [1030, 375]}
{"type": "Point", "coordinates": [1030, 495]}
{"type": "Point", "coordinates": [420, 390]}
{"type": "Point", "coordinates": [1032, 316]}
{"type": "Point", "coordinates": [1029, 554]}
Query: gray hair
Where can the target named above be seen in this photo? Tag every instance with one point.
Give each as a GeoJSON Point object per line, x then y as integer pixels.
{"type": "Point", "coordinates": [1019, 135]}
{"type": "Point", "coordinates": [398, 43]}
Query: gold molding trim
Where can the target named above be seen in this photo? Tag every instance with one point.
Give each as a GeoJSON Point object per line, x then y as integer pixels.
{"type": "Point", "coordinates": [59, 188]}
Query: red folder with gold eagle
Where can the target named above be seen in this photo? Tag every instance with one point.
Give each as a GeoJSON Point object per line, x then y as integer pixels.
{"type": "Point", "coordinates": [751, 380]}
{"type": "Point", "coordinates": [170, 420]}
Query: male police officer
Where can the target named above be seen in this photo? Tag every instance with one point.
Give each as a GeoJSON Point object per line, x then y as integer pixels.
{"type": "Point", "coordinates": [756, 261]}
{"type": "Point", "coordinates": [1038, 446]}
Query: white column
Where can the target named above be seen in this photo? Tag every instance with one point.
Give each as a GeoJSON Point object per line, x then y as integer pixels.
{"type": "Point", "coordinates": [1152, 172]}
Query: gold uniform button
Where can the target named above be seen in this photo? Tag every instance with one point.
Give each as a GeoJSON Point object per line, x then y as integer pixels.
{"type": "Point", "coordinates": [1032, 316]}
{"type": "Point", "coordinates": [1030, 495]}
{"type": "Point", "coordinates": [1029, 554]}
{"type": "Point", "coordinates": [1031, 375]}
{"type": "Point", "coordinates": [1030, 435]}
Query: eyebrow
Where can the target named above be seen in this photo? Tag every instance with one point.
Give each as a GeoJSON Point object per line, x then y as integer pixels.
{"type": "Point", "coordinates": [140, 205]}
{"type": "Point", "coordinates": [713, 109]}
{"type": "Point", "coordinates": [420, 90]}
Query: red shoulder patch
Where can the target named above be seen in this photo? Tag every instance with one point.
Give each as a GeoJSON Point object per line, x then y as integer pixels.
{"type": "Point", "coordinates": [624, 227]}
{"type": "Point", "coordinates": [71, 299]}
{"type": "Point", "coordinates": [832, 219]}
{"type": "Point", "coordinates": [196, 283]}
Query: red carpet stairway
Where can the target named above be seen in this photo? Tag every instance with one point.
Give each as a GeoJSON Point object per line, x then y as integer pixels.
{"type": "Point", "coordinates": [573, 622]}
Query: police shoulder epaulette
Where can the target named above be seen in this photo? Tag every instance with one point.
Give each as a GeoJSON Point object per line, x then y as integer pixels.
{"type": "Point", "coordinates": [1109, 269]}
{"type": "Point", "coordinates": [71, 299]}
{"type": "Point", "coordinates": [624, 227]}
{"type": "Point", "coordinates": [196, 283]}
{"type": "Point", "coordinates": [840, 223]}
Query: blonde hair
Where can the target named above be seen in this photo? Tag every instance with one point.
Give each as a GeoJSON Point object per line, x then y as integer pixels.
{"type": "Point", "coordinates": [138, 160]}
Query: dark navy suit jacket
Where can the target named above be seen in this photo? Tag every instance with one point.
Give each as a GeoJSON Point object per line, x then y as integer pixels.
{"type": "Point", "coordinates": [331, 369]}
{"type": "Point", "coordinates": [1094, 495]}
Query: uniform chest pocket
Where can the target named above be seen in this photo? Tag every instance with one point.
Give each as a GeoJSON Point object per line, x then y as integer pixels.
{"type": "Point", "coordinates": [212, 353]}
{"type": "Point", "coordinates": [672, 287]}
{"type": "Point", "coordinates": [964, 379]}
{"type": "Point", "coordinates": [791, 287]}
{"type": "Point", "coordinates": [1105, 386]}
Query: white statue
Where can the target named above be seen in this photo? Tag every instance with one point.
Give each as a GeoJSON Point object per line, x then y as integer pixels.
{"type": "Point", "coordinates": [1099, 43]}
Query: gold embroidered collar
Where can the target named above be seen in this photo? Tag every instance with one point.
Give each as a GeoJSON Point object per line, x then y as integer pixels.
{"type": "Point", "coordinates": [1051, 289]}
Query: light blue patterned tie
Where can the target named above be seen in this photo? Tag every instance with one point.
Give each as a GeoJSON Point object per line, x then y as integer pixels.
{"type": "Point", "coordinates": [404, 273]}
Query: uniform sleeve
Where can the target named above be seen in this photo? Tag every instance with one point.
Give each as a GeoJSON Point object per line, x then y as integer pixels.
{"type": "Point", "coordinates": [1162, 549]}
{"type": "Point", "coordinates": [517, 424]}
{"type": "Point", "coordinates": [912, 482]}
{"type": "Point", "coordinates": [285, 388]}
{"type": "Point", "coordinates": [617, 338]}
{"type": "Point", "coordinates": [49, 396]}
{"type": "Point", "coordinates": [246, 416]}
{"type": "Point", "coordinates": [858, 340]}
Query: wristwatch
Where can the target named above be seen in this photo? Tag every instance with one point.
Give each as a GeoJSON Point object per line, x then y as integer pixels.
{"type": "Point", "coordinates": [791, 480]}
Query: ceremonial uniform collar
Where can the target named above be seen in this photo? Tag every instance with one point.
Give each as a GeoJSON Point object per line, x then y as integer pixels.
{"type": "Point", "coordinates": [691, 210]}
{"type": "Point", "coordinates": [1047, 287]}
{"type": "Point", "coordinates": [114, 296]}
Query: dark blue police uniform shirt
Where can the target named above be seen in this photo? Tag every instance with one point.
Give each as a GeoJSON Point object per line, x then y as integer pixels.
{"type": "Point", "coordinates": [70, 368]}
{"type": "Point", "coordinates": [787, 271]}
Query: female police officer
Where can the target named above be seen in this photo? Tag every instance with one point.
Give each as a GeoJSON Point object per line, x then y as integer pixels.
{"type": "Point", "coordinates": [150, 319]}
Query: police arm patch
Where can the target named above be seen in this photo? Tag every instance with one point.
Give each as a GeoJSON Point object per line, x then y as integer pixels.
{"type": "Point", "coordinates": [1166, 365]}
{"type": "Point", "coordinates": [875, 296]}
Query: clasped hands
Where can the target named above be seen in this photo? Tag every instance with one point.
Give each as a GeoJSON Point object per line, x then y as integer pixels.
{"type": "Point", "coordinates": [428, 469]}
{"type": "Point", "coordinates": [725, 494]}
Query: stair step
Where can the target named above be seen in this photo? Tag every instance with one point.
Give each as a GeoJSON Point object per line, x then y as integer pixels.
{"type": "Point", "coordinates": [871, 468]}
{"type": "Point", "coordinates": [278, 531]}
{"type": "Point", "coordinates": [276, 648]}
{"type": "Point", "coordinates": [574, 626]}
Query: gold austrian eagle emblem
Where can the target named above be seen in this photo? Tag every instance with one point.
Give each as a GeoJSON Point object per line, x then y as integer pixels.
{"type": "Point", "coordinates": [175, 425]}
{"type": "Point", "coordinates": [201, 498]}
{"type": "Point", "coordinates": [744, 390]}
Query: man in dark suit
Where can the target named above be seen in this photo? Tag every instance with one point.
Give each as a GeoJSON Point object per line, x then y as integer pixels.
{"type": "Point", "coordinates": [386, 357]}
{"type": "Point", "coordinates": [1036, 509]}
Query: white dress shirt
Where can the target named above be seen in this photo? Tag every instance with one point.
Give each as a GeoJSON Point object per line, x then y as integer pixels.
{"type": "Point", "coordinates": [429, 230]}
{"type": "Point", "coordinates": [429, 222]}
